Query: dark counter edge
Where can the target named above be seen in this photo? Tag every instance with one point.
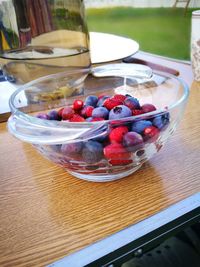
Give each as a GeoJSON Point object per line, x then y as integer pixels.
{"type": "Point", "coordinates": [4, 116]}
{"type": "Point", "coordinates": [138, 238]}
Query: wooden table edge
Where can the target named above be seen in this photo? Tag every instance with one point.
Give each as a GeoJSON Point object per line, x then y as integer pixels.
{"type": "Point", "coordinates": [122, 245]}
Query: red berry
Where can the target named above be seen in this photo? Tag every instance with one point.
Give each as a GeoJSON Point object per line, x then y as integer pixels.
{"type": "Point", "coordinates": [97, 119]}
{"type": "Point", "coordinates": [67, 113]}
{"type": "Point", "coordinates": [76, 118]}
{"type": "Point", "coordinates": [86, 112]}
{"type": "Point", "coordinates": [148, 108]}
{"type": "Point", "coordinates": [110, 103]}
{"type": "Point", "coordinates": [136, 112]}
{"type": "Point", "coordinates": [116, 135]}
{"type": "Point", "coordinates": [116, 162]}
{"type": "Point", "coordinates": [119, 97]}
{"type": "Point", "coordinates": [151, 132]}
{"type": "Point", "coordinates": [78, 104]}
{"type": "Point", "coordinates": [116, 152]}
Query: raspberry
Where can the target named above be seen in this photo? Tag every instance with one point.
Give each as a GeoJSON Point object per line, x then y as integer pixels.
{"type": "Point", "coordinates": [116, 152]}
{"type": "Point", "coordinates": [116, 135]}
{"type": "Point", "coordinates": [77, 105]}
{"type": "Point", "coordinates": [76, 118]}
{"type": "Point", "coordinates": [119, 97]}
{"type": "Point", "coordinates": [110, 103]}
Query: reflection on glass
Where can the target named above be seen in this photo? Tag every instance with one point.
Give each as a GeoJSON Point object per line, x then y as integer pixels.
{"type": "Point", "coordinates": [41, 37]}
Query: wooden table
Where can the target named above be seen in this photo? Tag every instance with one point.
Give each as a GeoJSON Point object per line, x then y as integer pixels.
{"type": "Point", "coordinates": [46, 214]}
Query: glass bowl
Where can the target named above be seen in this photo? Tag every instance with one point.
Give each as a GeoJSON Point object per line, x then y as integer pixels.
{"type": "Point", "coordinates": [98, 150]}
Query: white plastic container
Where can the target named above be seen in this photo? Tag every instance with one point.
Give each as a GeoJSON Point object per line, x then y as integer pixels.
{"type": "Point", "coordinates": [195, 44]}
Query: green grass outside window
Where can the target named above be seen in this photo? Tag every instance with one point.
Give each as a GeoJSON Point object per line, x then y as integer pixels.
{"type": "Point", "coordinates": [163, 31]}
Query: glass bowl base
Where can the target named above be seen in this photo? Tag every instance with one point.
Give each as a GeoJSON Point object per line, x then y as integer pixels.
{"type": "Point", "coordinates": [105, 177]}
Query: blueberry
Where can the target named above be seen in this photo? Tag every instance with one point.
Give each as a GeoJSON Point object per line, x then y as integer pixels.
{"type": "Point", "coordinates": [72, 150]}
{"type": "Point", "coordinates": [56, 148]}
{"type": "Point", "coordinates": [133, 141]}
{"type": "Point", "coordinates": [101, 101]}
{"type": "Point", "coordinates": [43, 116]}
{"type": "Point", "coordinates": [132, 103]}
{"type": "Point", "coordinates": [92, 152]}
{"type": "Point", "coordinates": [139, 126]}
{"type": "Point", "coordinates": [100, 112]}
{"type": "Point", "coordinates": [102, 135]}
{"type": "Point", "coordinates": [119, 112]}
{"type": "Point", "coordinates": [101, 138]}
{"type": "Point", "coordinates": [91, 100]}
{"type": "Point", "coordinates": [161, 120]}
{"type": "Point", "coordinates": [53, 115]}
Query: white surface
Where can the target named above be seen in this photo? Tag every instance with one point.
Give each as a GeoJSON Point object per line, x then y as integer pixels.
{"type": "Point", "coordinates": [137, 3]}
{"type": "Point", "coordinates": [6, 90]}
{"type": "Point", "coordinates": [107, 47]}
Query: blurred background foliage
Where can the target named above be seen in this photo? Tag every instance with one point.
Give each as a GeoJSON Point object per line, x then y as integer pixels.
{"type": "Point", "coordinates": [163, 31]}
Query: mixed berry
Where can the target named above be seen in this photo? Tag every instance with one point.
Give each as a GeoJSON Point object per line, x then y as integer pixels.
{"type": "Point", "coordinates": [122, 141]}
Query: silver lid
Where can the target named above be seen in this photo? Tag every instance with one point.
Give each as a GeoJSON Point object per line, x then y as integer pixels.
{"type": "Point", "coordinates": [196, 13]}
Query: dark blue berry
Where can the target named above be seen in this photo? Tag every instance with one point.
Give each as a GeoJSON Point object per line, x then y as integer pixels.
{"type": "Point", "coordinates": [101, 101]}
{"type": "Point", "coordinates": [71, 149]}
{"type": "Point", "coordinates": [53, 115]}
{"type": "Point", "coordinates": [119, 112]}
{"type": "Point", "coordinates": [56, 148]}
{"type": "Point", "coordinates": [161, 120]}
{"type": "Point", "coordinates": [139, 126]}
{"type": "Point", "coordinates": [92, 152]}
{"type": "Point", "coordinates": [91, 100]}
{"type": "Point", "coordinates": [132, 103]}
{"type": "Point", "coordinates": [43, 116]}
{"type": "Point", "coordinates": [100, 112]}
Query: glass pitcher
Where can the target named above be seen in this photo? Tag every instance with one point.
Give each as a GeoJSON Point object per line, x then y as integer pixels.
{"type": "Point", "coordinates": [42, 37]}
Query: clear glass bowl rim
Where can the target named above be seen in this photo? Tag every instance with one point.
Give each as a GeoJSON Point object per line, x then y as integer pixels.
{"type": "Point", "coordinates": [51, 124]}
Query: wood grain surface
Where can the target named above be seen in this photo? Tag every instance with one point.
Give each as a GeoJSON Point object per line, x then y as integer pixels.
{"type": "Point", "coordinates": [46, 214]}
